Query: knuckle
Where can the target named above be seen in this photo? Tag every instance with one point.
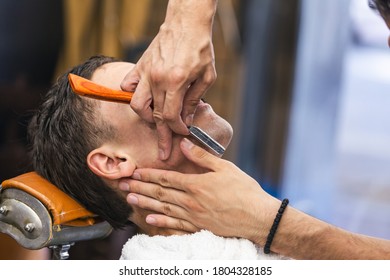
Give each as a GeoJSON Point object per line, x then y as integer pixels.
{"type": "Point", "coordinates": [188, 203]}
{"type": "Point", "coordinates": [164, 180]}
{"type": "Point", "coordinates": [178, 75]}
{"type": "Point", "coordinates": [229, 165]}
{"type": "Point", "coordinates": [170, 116]}
{"type": "Point", "coordinates": [136, 105]}
{"type": "Point", "coordinates": [210, 77]}
{"type": "Point", "coordinates": [197, 192]}
{"type": "Point", "coordinates": [157, 74]}
{"type": "Point", "coordinates": [180, 225]}
{"type": "Point", "coordinates": [192, 188]}
{"type": "Point", "coordinates": [158, 116]}
{"type": "Point", "coordinates": [167, 210]}
{"type": "Point", "coordinates": [159, 193]}
{"type": "Point", "coordinates": [192, 205]}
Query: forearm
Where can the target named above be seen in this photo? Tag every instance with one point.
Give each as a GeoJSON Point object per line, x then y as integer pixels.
{"type": "Point", "coordinates": [192, 13]}
{"type": "Point", "coordinates": [230, 203]}
{"type": "Point", "coordinates": [301, 236]}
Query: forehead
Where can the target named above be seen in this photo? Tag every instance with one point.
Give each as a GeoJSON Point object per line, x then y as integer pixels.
{"type": "Point", "coordinates": [111, 74]}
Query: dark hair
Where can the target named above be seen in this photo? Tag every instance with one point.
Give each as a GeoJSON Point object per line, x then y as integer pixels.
{"type": "Point", "coordinates": [62, 133]}
{"type": "Point", "coordinates": [382, 6]}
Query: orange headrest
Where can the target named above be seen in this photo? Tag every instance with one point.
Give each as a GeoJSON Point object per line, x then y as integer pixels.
{"type": "Point", "coordinates": [63, 209]}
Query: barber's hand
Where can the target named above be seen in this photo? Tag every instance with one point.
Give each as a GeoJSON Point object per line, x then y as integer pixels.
{"type": "Point", "coordinates": [175, 71]}
{"type": "Point", "coordinates": [224, 200]}
{"type": "Point", "coordinates": [139, 217]}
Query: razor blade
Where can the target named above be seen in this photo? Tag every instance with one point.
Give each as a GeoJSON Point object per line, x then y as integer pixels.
{"type": "Point", "coordinates": [206, 140]}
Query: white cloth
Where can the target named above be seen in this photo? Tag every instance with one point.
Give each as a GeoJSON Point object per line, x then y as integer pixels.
{"type": "Point", "coordinates": [202, 245]}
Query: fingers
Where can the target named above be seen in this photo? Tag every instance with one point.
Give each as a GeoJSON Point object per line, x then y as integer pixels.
{"type": "Point", "coordinates": [152, 204]}
{"type": "Point", "coordinates": [172, 216]}
{"type": "Point", "coordinates": [181, 102]}
{"type": "Point", "coordinates": [164, 142]}
{"type": "Point", "coordinates": [165, 178]}
{"type": "Point", "coordinates": [190, 103]}
{"type": "Point", "coordinates": [163, 221]}
{"type": "Point", "coordinates": [194, 93]}
{"type": "Point", "coordinates": [173, 108]}
{"type": "Point", "coordinates": [140, 217]}
{"type": "Point", "coordinates": [169, 86]}
{"type": "Point", "coordinates": [153, 190]}
{"type": "Point", "coordinates": [177, 84]}
{"type": "Point", "coordinates": [164, 133]}
{"type": "Point", "coordinates": [142, 99]}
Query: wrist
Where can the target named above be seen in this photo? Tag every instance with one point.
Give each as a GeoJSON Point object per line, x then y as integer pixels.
{"type": "Point", "coordinates": [298, 233]}
{"type": "Point", "coordinates": [191, 13]}
{"type": "Point", "coordinates": [274, 227]}
{"type": "Point", "coordinates": [263, 217]}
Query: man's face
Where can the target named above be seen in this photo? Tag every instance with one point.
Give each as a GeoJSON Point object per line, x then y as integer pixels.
{"type": "Point", "coordinates": [139, 138]}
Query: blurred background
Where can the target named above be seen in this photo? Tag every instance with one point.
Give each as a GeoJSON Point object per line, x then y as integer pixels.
{"type": "Point", "coordinates": [304, 83]}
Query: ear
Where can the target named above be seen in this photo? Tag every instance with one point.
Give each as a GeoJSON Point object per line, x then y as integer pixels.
{"type": "Point", "coordinates": [110, 164]}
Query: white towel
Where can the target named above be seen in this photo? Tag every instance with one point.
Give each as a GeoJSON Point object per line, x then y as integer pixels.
{"type": "Point", "coordinates": [202, 245]}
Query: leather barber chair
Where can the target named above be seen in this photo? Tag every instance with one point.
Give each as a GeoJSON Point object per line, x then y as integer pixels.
{"type": "Point", "coordinates": [37, 214]}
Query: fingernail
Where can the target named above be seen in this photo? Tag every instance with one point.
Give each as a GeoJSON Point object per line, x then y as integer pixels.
{"type": "Point", "coordinates": [132, 200]}
{"type": "Point", "coordinates": [161, 154]}
{"type": "Point", "coordinates": [136, 176]}
{"type": "Point", "coordinates": [187, 143]}
{"type": "Point", "coordinates": [150, 220]}
{"type": "Point", "coordinates": [189, 119]}
{"type": "Point", "coordinates": [124, 186]}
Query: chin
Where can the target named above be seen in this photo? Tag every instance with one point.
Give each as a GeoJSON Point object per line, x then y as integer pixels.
{"type": "Point", "coordinates": [218, 128]}
{"type": "Point", "coordinates": [214, 125]}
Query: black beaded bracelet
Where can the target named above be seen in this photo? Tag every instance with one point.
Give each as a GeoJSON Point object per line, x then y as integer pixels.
{"type": "Point", "coordinates": [267, 246]}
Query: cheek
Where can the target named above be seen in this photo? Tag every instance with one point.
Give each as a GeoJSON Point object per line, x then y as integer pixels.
{"type": "Point", "coordinates": [141, 143]}
{"type": "Point", "coordinates": [144, 148]}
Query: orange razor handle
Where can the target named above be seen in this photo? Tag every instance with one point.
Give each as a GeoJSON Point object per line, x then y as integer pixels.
{"type": "Point", "coordinates": [85, 87]}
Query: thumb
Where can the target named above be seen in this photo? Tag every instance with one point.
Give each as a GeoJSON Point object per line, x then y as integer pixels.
{"type": "Point", "coordinates": [199, 156]}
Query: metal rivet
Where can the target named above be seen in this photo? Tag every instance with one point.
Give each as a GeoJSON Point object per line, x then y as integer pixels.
{"type": "Point", "coordinates": [29, 227]}
{"type": "Point", "coordinates": [3, 210]}
{"type": "Point", "coordinates": [57, 228]}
